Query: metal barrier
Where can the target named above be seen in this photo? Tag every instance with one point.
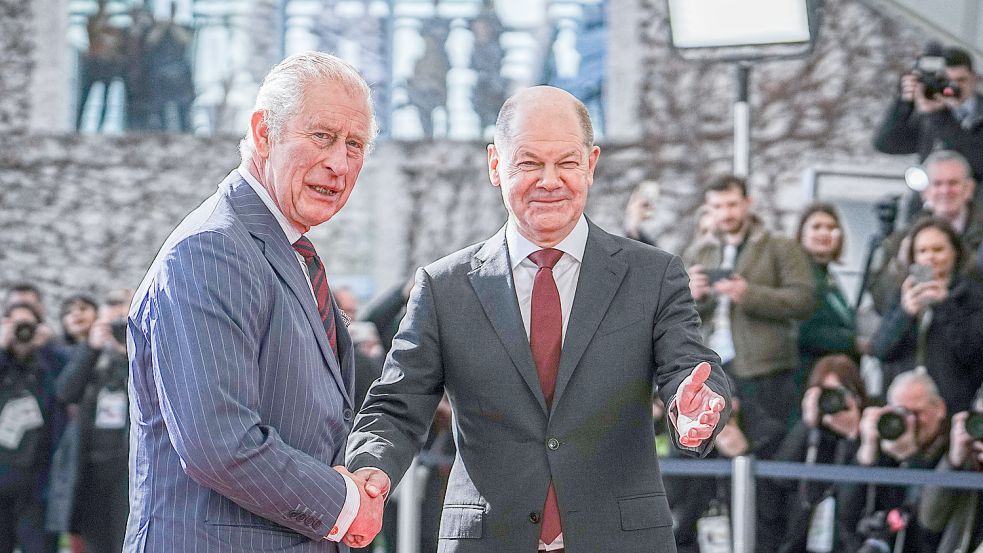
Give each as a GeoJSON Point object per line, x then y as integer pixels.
{"type": "Point", "coordinates": [743, 470]}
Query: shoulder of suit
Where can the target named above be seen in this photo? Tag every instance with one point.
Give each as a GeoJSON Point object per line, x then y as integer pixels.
{"type": "Point", "coordinates": [459, 261]}
{"type": "Point", "coordinates": [213, 219]}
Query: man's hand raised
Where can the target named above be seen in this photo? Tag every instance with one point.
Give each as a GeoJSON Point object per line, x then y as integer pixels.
{"type": "Point", "coordinates": [698, 407]}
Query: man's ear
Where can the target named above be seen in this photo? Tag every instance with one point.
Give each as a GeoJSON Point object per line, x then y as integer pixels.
{"type": "Point", "coordinates": [260, 133]}
{"type": "Point", "coordinates": [493, 162]}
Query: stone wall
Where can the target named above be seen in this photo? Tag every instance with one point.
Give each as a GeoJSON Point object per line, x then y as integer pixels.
{"type": "Point", "coordinates": [89, 212]}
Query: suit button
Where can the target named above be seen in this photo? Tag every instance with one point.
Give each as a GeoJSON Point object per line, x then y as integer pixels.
{"type": "Point", "coordinates": [534, 517]}
{"type": "Point", "coordinates": [553, 444]}
{"type": "Point", "coordinates": [347, 414]}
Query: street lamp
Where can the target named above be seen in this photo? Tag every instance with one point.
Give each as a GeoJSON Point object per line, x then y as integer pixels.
{"type": "Point", "coordinates": [742, 31]}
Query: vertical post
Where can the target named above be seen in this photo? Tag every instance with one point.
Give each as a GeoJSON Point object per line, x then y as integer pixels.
{"type": "Point", "coordinates": [742, 504]}
{"type": "Point", "coordinates": [408, 513]}
{"type": "Point", "coordinates": [742, 122]}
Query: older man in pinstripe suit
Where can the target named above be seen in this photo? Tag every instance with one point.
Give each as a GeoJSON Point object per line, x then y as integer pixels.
{"type": "Point", "coordinates": [241, 370]}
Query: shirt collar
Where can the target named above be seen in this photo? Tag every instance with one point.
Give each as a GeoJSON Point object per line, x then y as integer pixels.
{"type": "Point", "coordinates": [520, 247]}
{"type": "Point", "coordinates": [288, 229]}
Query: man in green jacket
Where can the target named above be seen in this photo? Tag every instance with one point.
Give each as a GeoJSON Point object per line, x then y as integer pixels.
{"type": "Point", "coordinates": [750, 285]}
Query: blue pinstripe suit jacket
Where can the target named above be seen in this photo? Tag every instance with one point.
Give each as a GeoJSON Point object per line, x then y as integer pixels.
{"type": "Point", "coordinates": [238, 407]}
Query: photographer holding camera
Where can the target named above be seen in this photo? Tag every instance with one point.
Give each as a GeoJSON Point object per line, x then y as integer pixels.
{"type": "Point", "coordinates": [937, 319]}
{"type": "Point", "coordinates": [937, 104]}
{"type": "Point", "coordinates": [911, 431]}
{"type": "Point", "coordinates": [96, 378]}
{"type": "Point", "coordinates": [827, 433]}
{"type": "Point", "coordinates": [958, 514]}
{"type": "Point", "coordinates": [30, 419]}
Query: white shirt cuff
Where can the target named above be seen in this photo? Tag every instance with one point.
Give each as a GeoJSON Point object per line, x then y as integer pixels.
{"type": "Point", "coordinates": [353, 503]}
{"type": "Point", "coordinates": [677, 419]}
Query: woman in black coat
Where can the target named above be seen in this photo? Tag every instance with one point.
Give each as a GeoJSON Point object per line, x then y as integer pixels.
{"type": "Point", "coordinates": [828, 433]}
{"type": "Point", "coordinates": [937, 322]}
{"type": "Point", "coordinates": [96, 379]}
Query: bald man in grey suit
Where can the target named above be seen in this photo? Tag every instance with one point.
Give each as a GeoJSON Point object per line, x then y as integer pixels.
{"type": "Point", "coordinates": [548, 338]}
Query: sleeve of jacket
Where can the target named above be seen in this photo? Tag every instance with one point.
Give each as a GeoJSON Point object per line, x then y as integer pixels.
{"type": "Point", "coordinates": [954, 137]}
{"type": "Point", "coordinates": [936, 505]}
{"type": "Point", "coordinates": [393, 423]}
{"type": "Point", "coordinates": [898, 133]}
{"type": "Point", "coordinates": [204, 324]}
{"type": "Point", "coordinates": [70, 384]}
{"type": "Point", "coordinates": [679, 349]}
{"type": "Point", "coordinates": [795, 295]}
{"type": "Point", "coordinates": [894, 335]}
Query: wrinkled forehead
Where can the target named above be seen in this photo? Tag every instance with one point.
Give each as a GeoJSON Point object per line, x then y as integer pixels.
{"type": "Point", "coordinates": [947, 170]}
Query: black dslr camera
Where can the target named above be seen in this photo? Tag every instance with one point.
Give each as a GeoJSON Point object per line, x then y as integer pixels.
{"type": "Point", "coordinates": [24, 332]}
{"type": "Point", "coordinates": [974, 425]}
{"type": "Point", "coordinates": [879, 528]}
{"type": "Point", "coordinates": [930, 67]}
{"type": "Point", "coordinates": [832, 401]}
{"type": "Point", "coordinates": [892, 424]}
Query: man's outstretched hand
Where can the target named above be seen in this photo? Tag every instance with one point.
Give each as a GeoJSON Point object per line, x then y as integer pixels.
{"type": "Point", "coordinates": [698, 407]}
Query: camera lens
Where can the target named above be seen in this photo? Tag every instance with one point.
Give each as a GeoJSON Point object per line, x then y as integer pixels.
{"type": "Point", "coordinates": [119, 331]}
{"type": "Point", "coordinates": [831, 400]}
{"type": "Point", "coordinates": [974, 425]}
{"type": "Point", "coordinates": [891, 425]}
{"type": "Point", "coordinates": [24, 331]}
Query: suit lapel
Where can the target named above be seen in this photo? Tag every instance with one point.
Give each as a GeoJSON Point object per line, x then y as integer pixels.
{"type": "Point", "coordinates": [600, 277]}
{"type": "Point", "coordinates": [263, 226]}
{"type": "Point", "coordinates": [493, 284]}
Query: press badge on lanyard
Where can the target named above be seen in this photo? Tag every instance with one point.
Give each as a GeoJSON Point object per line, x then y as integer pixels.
{"type": "Point", "coordinates": [821, 527]}
{"type": "Point", "coordinates": [19, 415]}
{"type": "Point", "coordinates": [111, 410]}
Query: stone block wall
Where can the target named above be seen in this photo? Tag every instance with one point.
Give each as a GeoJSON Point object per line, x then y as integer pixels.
{"type": "Point", "coordinates": [89, 212]}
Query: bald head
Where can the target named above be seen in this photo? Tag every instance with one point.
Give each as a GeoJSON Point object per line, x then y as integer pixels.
{"type": "Point", "coordinates": [542, 99]}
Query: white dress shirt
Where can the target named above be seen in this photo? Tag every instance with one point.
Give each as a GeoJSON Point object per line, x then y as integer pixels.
{"type": "Point", "coordinates": [352, 500]}
{"type": "Point", "coordinates": [566, 273]}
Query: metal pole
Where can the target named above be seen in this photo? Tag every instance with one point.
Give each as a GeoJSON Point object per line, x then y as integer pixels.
{"type": "Point", "coordinates": [742, 504]}
{"type": "Point", "coordinates": [408, 513]}
{"type": "Point", "coordinates": [742, 123]}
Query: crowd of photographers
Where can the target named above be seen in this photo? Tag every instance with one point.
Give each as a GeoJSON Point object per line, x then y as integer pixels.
{"type": "Point", "coordinates": [793, 344]}
{"type": "Point", "coordinates": [770, 307]}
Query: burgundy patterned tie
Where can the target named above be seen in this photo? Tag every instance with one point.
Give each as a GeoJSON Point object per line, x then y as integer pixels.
{"type": "Point", "coordinates": [545, 338]}
{"type": "Point", "coordinates": [319, 282]}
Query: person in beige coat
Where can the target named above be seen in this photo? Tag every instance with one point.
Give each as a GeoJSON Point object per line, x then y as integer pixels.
{"type": "Point", "coordinates": [750, 286]}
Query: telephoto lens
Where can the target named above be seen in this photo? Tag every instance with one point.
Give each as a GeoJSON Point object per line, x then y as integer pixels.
{"type": "Point", "coordinates": [891, 425]}
{"type": "Point", "coordinates": [974, 425]}
{"type": "Point", "coordinates": [24, 331]}
{"type": "Point", "coordinates": [832, 400]}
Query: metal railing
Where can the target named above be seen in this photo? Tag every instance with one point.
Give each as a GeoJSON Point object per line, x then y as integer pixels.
{"type": "Point", "coordinates": [743, 471]}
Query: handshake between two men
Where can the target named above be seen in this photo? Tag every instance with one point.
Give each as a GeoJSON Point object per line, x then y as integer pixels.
{"type": "Point", "coordinates": [695, 416]}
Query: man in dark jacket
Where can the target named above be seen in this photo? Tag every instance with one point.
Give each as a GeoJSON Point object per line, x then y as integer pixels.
{"type": "Point", "coordinates": [919, 123]}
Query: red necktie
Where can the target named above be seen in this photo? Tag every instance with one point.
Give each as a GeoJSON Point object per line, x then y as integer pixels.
{"type": "Point", "coordinates": [545, 338]}
{"type": "Point", "coordinates": [319, 282]}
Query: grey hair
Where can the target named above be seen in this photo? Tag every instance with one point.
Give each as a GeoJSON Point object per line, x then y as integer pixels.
{"type": "Point", "coordinates": [916, 376]}
{"type": "Point", "coordinates": [280, 95]}
{"type": "Point", "coordinates": [506, 117]}
{"type": "Point", "coordinates": [941, 156]}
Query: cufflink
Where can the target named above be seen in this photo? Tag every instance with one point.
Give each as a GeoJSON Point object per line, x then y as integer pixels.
{"type": "Point", "coordinates": [334, 531]}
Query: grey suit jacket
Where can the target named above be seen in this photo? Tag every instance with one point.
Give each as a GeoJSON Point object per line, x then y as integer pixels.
{"type": "Point", "coordinates": [632, 323]}
{"type": "Point", "coordinates": [238, 407]}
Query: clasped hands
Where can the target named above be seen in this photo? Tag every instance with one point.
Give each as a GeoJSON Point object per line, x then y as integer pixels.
{"type": "Point", "coordinates": [373, 488]}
